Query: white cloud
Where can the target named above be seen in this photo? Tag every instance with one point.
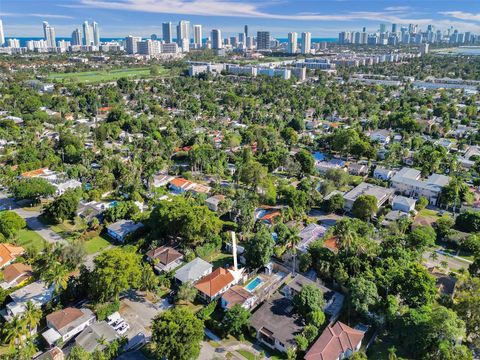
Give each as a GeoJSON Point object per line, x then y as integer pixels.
{"type": "Point", "coordinates": [397, 8]}
{"type": "Point", "coordinates": [462, 15]}
{"type": "Point", "coordinates": [43, 16]}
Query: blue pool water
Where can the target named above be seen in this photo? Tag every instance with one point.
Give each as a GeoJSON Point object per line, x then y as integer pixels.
{"type": "Point", "coordinates": [253, 284]}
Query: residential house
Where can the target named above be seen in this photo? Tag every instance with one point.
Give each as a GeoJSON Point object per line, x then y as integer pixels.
{"type": "Point", "coordinates": [121, 229]}
{"type": "Point", "coordinates": [357, 169]}
{"type": "Point", "coordinates": [382, 136]}
{"type": "Point", "coordinates": [383, 173]}
{"type": "Point", "coordinates": [237, 295]}
{"type": "Point", "coordinates": [308, 235]}
{"type": "Point", "coordinates": [161, 180]}
{"type": "Point", "coordinates": [8, 253]}
{"type": "Point", "coordinates": [216, 283]}
{"type": "Point", "coordinates": [402, 203]}
{"type": "Point", "coordinates": [66, 323]}
{"type": "Point", "coordinates": [333, 299]}
{"type": "Point", "coordinates": [408, 182]}
{"type": "Point", "coordinates": [444, 283]}
{"type": "Point", "coordinates": [67, 185]}
{"type": "Point", "coordinates": [165, 258]}
{"type": "Point", "coordinates": [180, 185]}
{"type": "Point", "coordinates": [382, 194]}
{"type": "Point", "coordinates": [276, 323]}
{"type": "Point", "coordinates": [337, 342]}
{"type": "Point", "coordinates": [200, 189]}
{"type": "Point", "coordinates": [96, 336]}
{"type": "Point", "coordinates": [15, 274]}
{"type": "Point", "coordinates": [193, 271]}
{"type": "Point", "coordinates": [53, 354]}
{"type": "Point", "coordinates": [214, 201]}
{"type": "Point", "coordinates": [38, 292]}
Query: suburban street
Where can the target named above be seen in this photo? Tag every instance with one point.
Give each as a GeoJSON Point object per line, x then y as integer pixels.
{"type": "Point", "coordinates": [32, 220]}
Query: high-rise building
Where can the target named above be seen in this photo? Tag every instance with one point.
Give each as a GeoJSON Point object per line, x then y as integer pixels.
{"type": "Point", "coordinates": [263, 40]}
{"type": "Point", "coordinates": [216, 39]}
{"type": "Point", "coordinates": [383, 28]}
{"type": "Point", "coordinates": [167, 32]}
{"type": "Point", "coordinates": [2, 34]}
{"type": "Point", "coordinates": [87, 34]}
{"type": "Point", "coordinates": [394, 28]}
{"type": "Point", "coordinates": [76, 37]}
{"type": "Point", "coordinates": [96, 34]}
{"type": "Point", "coordinates": [242, 38]}
{"type": "Point", "coordinates": [13, 43]}
{"type": "Point", "coordinates": [49, 34]}
{"type": "Point", "coordinates": [245, 30]}
{"type": "Point", "coordinates": [131, 44]}
{"type": "Point", "coordinates": [148, 47]}
{"type": "Point", "coordinates": [197, 35]}
{"type": "Point", "coordinates": [292, 43]}
{"type": "Point", "coordinates": [306, 42]}
{"type": "Point", "coordinates": [183, 32]}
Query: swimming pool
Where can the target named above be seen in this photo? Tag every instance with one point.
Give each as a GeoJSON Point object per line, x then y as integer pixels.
{"type": "Point", "coordinates": [253, 284]}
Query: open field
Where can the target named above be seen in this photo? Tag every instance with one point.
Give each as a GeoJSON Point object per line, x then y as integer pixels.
{"type": "Point", "coordinates": [103, 75]}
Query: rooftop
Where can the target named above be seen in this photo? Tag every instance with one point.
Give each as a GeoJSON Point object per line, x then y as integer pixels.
{"type": "Point", "coordinates": [236, 295]}
{"type": "Point", "coordinates": [165, 254]}
{"type": "Point", "coordinates": [193, 270]}
{"type": "Point", "coordinates": [335, 341]}
{"type": "Point", "coordinates": [88, 339]}
{"type": "Point", "coordinates": [124, 227]}
{"type": "Point", "coordinates": [276, 318]}
{"type": "Point", "coordinates": [9, 252]}
{"type": "Point", "coordinates": [214, 282]}
{"type": "Point", "coordinates": [380, 193]}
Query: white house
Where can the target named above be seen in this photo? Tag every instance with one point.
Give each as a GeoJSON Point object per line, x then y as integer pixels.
{"type": "Point", "coordinates": [383, 173]}
{"type": "Point", "coordinates": [382, 136]}
{"type": "Point", "coordinates": [408, 182]}
{"type": "Point", "coordinates": [404, 204]}
{"type": "Point", "coordinates": [66, 323]}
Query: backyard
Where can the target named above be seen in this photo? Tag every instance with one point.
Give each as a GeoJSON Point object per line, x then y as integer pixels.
{"type": "Point", "coordinates": [96, 244]}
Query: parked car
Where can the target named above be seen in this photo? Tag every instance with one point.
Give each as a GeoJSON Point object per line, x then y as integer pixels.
{"type": "Point", "coordinates": [123, 328]}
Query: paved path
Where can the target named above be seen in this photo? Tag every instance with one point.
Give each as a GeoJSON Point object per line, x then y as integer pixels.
{"type": "Point", "coordinates": [454, 263]}
{"type": "Point", "coordinates": [32, 220]}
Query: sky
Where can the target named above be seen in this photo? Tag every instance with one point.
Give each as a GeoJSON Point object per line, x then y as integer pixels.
{"type": "Point", "coordinates": [118, 18]}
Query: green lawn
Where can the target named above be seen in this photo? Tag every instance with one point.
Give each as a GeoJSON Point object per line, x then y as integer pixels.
{"type": "Point", "coordinates": [103, 75]}
{"type": "Point", "coordinates": [247, 354]}
{"type": "Point", "coordinates": [219, 259]}
{"type": "Point", "coordinates": [96, 244]}
{"type": "Point", "coordinates": [30, 240]}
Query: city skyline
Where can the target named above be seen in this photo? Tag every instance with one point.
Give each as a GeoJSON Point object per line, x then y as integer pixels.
{"type": "Point", "coordinates": [119, 18]}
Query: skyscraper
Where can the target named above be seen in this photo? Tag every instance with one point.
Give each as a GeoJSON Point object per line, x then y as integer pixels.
{"type": "Point", "coordinates": [383, 28]}
{"type": "Point", "coordinates": [96, 34]}
{"type": "Point", "coordinates": [87, 34]}
{"type": "Point", "coordinates": [2, 35]}
{"type": "Point", "coordinates": [197, 35]}
{"type": "Point", "coordinates": [306, 42]}
{"type": "Point", "coordinates": [217, 39]}
{"type": "Point", "coordinates": [183, 32]}
{"type": "Point", "coordinates": [49, 34]}
{"type": "Point", "coordinates": [76, 37]}
{"type": "Point", "coordinates": [167, 32]}
{"type": "Point", "coordinates": [131, 44]}
{"type": "Point", "coordinates": [263, 40]}
{"type": "Point", "coordinates": [292, 42]}
{"type": "Point", "coordinates": [394, 28]}
{"type": "Point", "coordinates": [245, 30]}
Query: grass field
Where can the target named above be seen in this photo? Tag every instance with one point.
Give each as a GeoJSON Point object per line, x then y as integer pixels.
{"type": "Point", "coordinates": [103, 75]}
{"type": "Point", "coordinates": [96, 244]}
{"type": "Point", "coordinates": [30, 240]}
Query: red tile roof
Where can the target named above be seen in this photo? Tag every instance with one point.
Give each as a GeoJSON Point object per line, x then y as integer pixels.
{"type": "Point", "coordinates": [165, 254]}
{"type": "Point", "coordinates": [61, 318]}
{"type": "Point", "coordinates": [270, 217]}
{"type": "Point", "coordinates": [335, 341]}
{"type": "Point", "coordinates": [9, 252]}
{"type": "Point", "coordinates": [212, 283]}
{"type": "Point", "coordinates": [34, 173]}
{"type": "Point", "coordinates": [18, 271]}
{"type": "Point", "coordinates": [180, 182]}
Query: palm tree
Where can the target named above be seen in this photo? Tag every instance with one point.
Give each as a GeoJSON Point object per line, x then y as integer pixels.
{"type": "Point", "coordinates": [13, 332]}
{"type": "Point", "coordinates": [57, 274]}
{"type": "Point", "coordinates": [31, 317]}
{"type": "Point", "coordinates": [292, 240]}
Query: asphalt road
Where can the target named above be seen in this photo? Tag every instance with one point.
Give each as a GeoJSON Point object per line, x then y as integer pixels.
{"type": "Point", "coordinates": [32, 220]}
{"type": "Point", "coordinates": [454, 264]}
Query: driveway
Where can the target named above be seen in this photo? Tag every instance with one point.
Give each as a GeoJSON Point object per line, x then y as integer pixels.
{"type": "Point", "coordinates": [139, 313]}
{"type": "Point", "coordinates": [324, 218]}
